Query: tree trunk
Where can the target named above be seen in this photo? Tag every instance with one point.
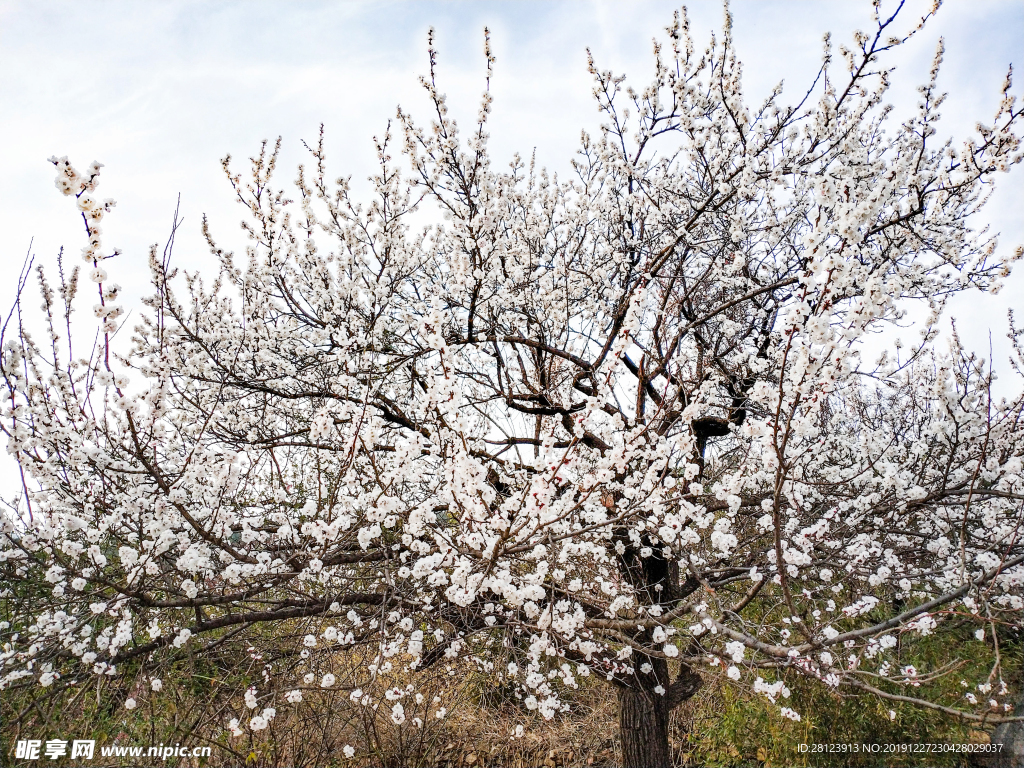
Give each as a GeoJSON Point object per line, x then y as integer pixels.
{"type": "Point", "coordinates": [1010, 738]}
{"type": "Point", "coordinates": [643, 713]}
{"type": "Point", "coordinates": [643, 729]}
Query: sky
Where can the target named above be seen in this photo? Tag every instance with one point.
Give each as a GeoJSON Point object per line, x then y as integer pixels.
{"type": "Point", "coordinates": [160, 91]}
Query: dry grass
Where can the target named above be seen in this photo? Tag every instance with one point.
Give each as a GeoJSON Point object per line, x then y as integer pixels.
{"type": "Point", "coordinates": [723, 725]}
{"type": "Point", "coordinates": [482, 736]}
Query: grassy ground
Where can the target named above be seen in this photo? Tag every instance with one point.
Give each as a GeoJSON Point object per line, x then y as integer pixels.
{"type": "Point", "coordinates": [723, 725]}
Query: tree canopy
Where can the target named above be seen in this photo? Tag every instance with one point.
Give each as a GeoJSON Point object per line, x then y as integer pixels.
{"type": "Point", "coordinates": [616, 424]}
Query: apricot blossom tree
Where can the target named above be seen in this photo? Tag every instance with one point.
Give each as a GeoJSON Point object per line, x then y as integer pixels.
{"type": "Point", "coordinates": [618, 424]}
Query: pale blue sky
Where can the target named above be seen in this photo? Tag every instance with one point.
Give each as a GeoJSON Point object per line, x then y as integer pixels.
{"type": "Point", "coordinates": [159, 91]}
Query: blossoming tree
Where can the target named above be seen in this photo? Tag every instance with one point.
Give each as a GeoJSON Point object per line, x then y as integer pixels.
{"type": "Point", "coordinates": [614, 425]}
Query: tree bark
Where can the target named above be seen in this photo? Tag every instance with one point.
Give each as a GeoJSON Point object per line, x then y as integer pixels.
{"type": "Point", "coordinates": [643, 728]}
{"type": "Point", "coordinates": [644, 713]}
{"type": "Point", "coordinates": [643, 710]}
